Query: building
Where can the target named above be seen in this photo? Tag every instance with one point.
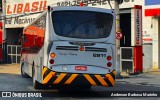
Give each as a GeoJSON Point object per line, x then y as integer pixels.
{"type": "Point", "coordinates": [151, 31]}
{"type": "Point", "coordinates": [20, 13]}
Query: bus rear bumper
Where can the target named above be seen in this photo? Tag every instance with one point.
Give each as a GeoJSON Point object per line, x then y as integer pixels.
{"type": "Point", "coordinates": [50, 77]}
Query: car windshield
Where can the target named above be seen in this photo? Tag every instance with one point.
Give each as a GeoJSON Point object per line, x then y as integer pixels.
{"type": "Point", "coordinates": [82, 24]}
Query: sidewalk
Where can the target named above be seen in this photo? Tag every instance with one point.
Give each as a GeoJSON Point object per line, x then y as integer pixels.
{"type": "Point", "coordinates": [151, 78]}
{"type": "Point", "coordinates": [11, 68]}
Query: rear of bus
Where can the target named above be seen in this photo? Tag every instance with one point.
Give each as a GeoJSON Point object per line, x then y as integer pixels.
{"type": "Point", "coordinates": [83, 47]}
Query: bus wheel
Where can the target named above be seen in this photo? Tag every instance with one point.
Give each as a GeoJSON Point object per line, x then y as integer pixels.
{"type": "Point", "coordinates": [36, 84]}
{"type": "Point", "coordinates": [22, 71]}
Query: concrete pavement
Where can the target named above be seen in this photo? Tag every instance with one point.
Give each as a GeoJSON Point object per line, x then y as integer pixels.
{"type": "Point", "coordinates": [150, 78]}
{"type": "Point", "coordinates": [11, 80]}
{"type": "Point", "coordinates": [10, 68]}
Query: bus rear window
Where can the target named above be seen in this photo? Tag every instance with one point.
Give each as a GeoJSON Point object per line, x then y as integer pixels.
{"type": "Point", "coordinates": [82, 24]}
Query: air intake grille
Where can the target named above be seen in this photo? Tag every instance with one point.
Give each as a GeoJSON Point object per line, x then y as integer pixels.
{"type": "Point", "coordinates": [75, 48]}
{"type": "Point", "coordinates": [95, 49]}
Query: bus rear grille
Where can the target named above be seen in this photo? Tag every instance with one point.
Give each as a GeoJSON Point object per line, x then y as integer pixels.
{"type": "Point", "coordinates": [67, 48]}
{"type": "Point", "coordinates": [95, 49]}
{"type": "Point", "coordinates": [76, 48]}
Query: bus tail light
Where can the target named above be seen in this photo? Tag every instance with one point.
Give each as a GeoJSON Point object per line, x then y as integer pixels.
{"type": "Point", "coordinates": [51, 61]}
{"type": "Point", "coordinates": [52, 55]}
{"type": "Point", "coordinates": [109, 64]}
{"type": "Point", "coordinates": [109, 58]}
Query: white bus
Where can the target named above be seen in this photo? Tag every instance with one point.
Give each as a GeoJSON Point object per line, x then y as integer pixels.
{"type": "Point", "coordinates": [72, 46]}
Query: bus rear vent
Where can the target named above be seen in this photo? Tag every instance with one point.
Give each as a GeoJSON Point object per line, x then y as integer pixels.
{"type": "Point", "coordinates": [76, 48]}
{"type": "Point", "coordinates": [67, 48]}
{"type": "Point", "coordinates": [95, 49]}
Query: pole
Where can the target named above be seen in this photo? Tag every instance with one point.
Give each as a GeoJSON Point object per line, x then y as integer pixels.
{"type": "Point", "coordinates": [116, 8]}
{"type": "Point", "coordinates": [4, 30]}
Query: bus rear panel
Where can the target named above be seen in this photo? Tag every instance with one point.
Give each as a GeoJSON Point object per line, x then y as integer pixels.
{"type": "Point", "coordinates": [81, 57]}
{"type": "Point", "coordinates": [77, 47]}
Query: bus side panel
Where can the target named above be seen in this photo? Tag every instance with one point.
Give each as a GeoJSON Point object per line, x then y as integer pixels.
{"type": "Point", "coordinates": [48, 34]}
{"type": "Point", "coordinates": [39, 59]}
{"type": "Point", "coordinates": [32, 46]}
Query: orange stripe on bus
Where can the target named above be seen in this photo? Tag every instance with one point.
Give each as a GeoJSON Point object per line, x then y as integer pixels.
{"type": "Point", "coordinates": [90, 79]}
{"type": "Point", "coordinates": [101, 80]}
{"type": "Point", "coordinates": [110, 78]}
{"type": "Point", "coordinates": [44, 70]}
{"type": "Point", "coordinates": [48, 77]}
{"type": "Point", "coordinates": [73, 76]}
{"type": "Point", "coordinates": [114, 72]}
{"type": "Point", "coordinates": [60, 77]}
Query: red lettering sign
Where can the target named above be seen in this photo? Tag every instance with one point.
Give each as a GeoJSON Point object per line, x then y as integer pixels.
{"type": "Point", "coordinates": [27, 7]}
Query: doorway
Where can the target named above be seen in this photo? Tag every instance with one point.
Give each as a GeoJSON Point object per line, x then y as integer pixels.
{"type": "Point", "coordinates": [13, 44]}
{"type": "Point", "coordinates": [126, 54]}
{"type": "Point", "coordinates": [125, 26]}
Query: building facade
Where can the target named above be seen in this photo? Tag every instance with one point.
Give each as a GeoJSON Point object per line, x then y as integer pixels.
{"type": "Point", "coordinates": [20, 13]}
{"type": "Point", "coordinates": [151, 29]}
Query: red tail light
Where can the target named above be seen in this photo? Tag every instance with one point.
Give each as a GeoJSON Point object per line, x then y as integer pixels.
{"type": "Point", "coordinates": [109, 64]}
{"type": "Point", "coordinates": [51, 61]}
{"type": "Point", "coordinates": [109, 58]}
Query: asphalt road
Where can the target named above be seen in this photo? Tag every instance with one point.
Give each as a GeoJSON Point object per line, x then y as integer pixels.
{"type": "Point", "coordinates": [12, 81]}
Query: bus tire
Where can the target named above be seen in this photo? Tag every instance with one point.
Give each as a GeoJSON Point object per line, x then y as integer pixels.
{"type": "Point", "coordinates": [36, 84]}
{"type": "Point", "coordinates": [22, 71]}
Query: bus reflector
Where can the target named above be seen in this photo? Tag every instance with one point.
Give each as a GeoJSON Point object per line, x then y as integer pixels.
{"type": "Point", "coordinates": [109, 58]}
{"type": "Point", "coordinates": [109, 64]}
{"type": "Point", "coordinates": [52, 55]}
{"type": "Point", "coordinates": [51, 61]}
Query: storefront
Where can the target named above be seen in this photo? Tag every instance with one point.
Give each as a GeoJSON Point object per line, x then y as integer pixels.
{"type": "Point", "coordinates": [19, 14]}
{"type": "Point", "coordinates": [152, 29]}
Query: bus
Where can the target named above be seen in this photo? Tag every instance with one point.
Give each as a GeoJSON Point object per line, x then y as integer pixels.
{"type": "Point", "coordinates": [70, 46]}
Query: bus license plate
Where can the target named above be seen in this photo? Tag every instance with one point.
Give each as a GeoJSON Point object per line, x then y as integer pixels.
{"type": "Point", "coordinates": [81, 68]}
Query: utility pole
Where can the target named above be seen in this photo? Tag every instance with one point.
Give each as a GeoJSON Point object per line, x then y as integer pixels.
{"type": "Point", "coordinates": [4, 30]}
{"type": "Point", "coordinates": [116, 8]}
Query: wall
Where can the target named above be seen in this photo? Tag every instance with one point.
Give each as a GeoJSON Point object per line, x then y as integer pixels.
{"type": "Point", "coordinates": [150, 32]}
{"type": "Point", "coordinates": [21, 12]}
